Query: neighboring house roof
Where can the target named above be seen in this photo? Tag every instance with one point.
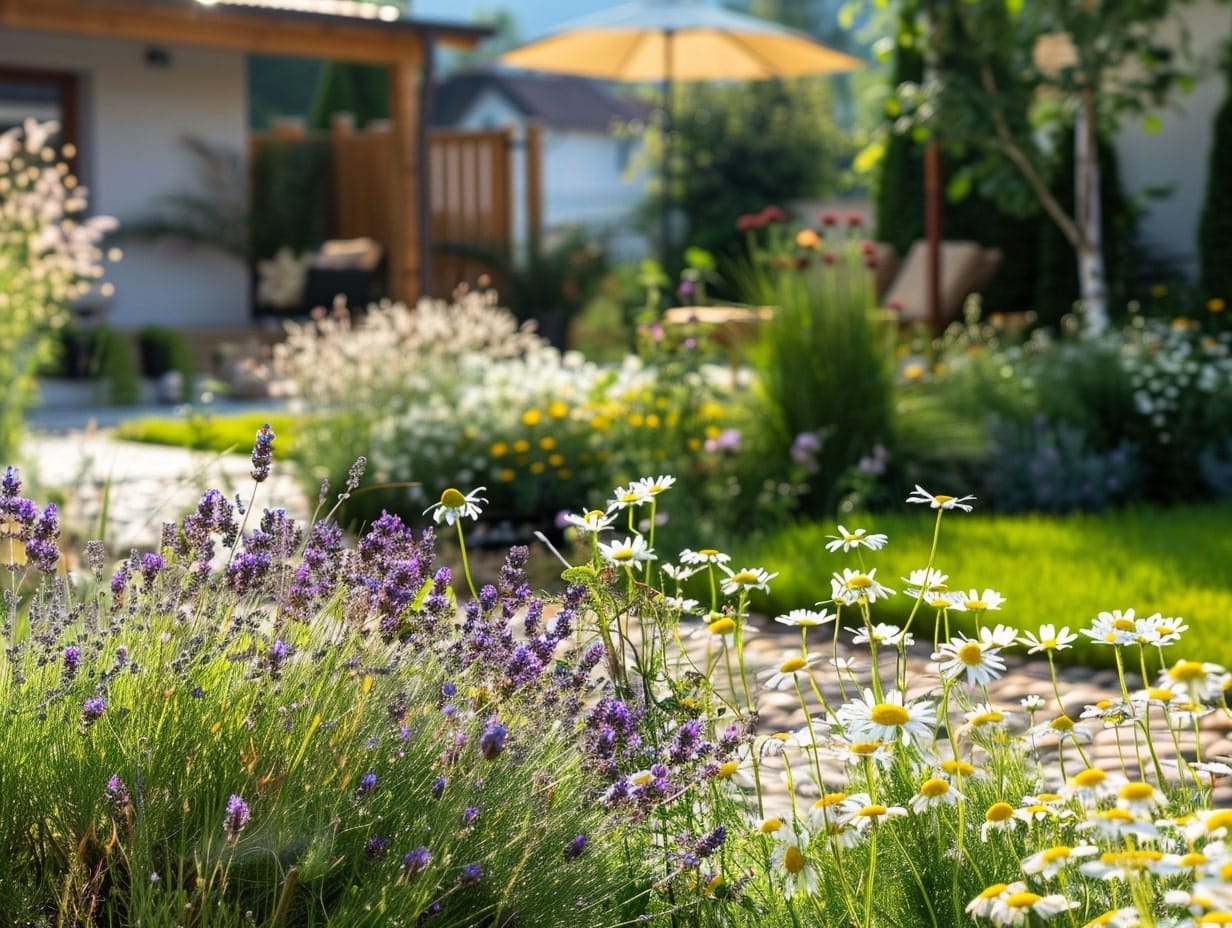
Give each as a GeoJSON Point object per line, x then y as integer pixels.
{"type": "Point", "coordinates": [557, 101]}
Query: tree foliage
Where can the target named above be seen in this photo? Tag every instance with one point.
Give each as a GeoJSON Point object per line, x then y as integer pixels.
{"type": "Point", "coordinates": [1215, 227]}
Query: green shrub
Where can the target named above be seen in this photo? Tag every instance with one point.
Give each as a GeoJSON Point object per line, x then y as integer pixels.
{"type": "Point", "coordinates": [1215, 224]}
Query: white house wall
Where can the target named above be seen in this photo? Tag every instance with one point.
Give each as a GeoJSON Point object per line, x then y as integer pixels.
{"type": "Point", "coordinates": [133, 117]}
{"type": "Point", "coordinates": [1178, 156]}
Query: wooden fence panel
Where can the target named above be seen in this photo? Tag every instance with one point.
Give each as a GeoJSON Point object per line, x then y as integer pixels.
{"type": "Point", "coordinates": [470, 200]}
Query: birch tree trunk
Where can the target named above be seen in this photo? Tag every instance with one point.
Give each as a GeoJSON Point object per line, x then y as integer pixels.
{"type": "Point", "coordinates": [1091, 274]}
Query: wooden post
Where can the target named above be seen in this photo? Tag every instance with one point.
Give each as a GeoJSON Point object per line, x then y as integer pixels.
{"type": "Point", "coordinates": [404, 247]}
{"type": "Point", "coordinates": [534, 190]}
{"type": "Point", "coordinates": [423, 215]}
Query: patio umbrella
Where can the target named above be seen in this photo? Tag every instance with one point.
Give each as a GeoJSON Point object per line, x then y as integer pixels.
{"type": "Point", "coordinates": [666, 41]}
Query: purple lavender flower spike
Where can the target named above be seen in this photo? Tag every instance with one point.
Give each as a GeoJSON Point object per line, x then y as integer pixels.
{"type": "Point", "coordinates": [416, 861]}
{"type": "Point", "coordinates": [492, 741]}
{"type": "Point", "coordinates": [237, 817]}
{"type": "Point", "coordinates": [472, 875]}
{"type": "Point", "coordinates": [93, 708]}
{"type": "Point", "coordinates": [262, 453]}
{"type": "Point", "coordinates": [575, 848]}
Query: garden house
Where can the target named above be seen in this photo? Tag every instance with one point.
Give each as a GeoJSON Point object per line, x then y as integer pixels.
{"type": "Point", "coordinates": [129, 80]}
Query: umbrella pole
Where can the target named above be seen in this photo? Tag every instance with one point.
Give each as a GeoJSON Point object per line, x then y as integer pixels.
{"type": "Point", "coordinates": [665, 217]}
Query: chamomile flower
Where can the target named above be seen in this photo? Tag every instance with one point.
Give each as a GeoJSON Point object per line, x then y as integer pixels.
{"type": "Point", "coordinates": [678, 573]}
{"type": "Point", "coordinates": [1063, 728]}
{"type": "Point", "coordinates": [921, 495]}
{"type": "Point", "coordinates": [934, 792]}
{"type": "Point", "coordinates": [1000, 636]}
{"type": "Point", "coordinates": [868, 720]}
{"type": "Point", "coordinates": [927, 580]}
{"type": "Point", "coordinates": [1011, 904]}
{"type": "Point", "coordinates": [792, 671]}
{"type": "Point", "coordinates": [1132, 864]}
{"type": "Point", "coordinates": [626, 553]}
{"type": "Point", "coordinates": [453, 505]}
{"type": "Point", "coordinates": [656, 485]}
{"type": "Point", "coordinates": [857, 538]}
{"type": "Point", "coordinates": [983, 715]}
{"type": "Point", "coordinates": [635, 494]}
{"type": "Point", "coordinates": [1032, 702]}
{"type": "Point", "coordinates": [799, 875]}
{"type": "Point", "coordinates": [854, 752]}
{"type": "Point", "coordinates": [1048, 639]}
{"type": "Point", "coordinates": [854, 586]}
{"type": "Point", "coordinates": [975, 601]}
{"type": "Point", "coordinates": [1093, 785]}
{"type": "Point", "coordinates": [806, 618]}
{"type": "Point", "coordinates": [1052, 860]}
{"type": "Point", "coordinates": [748, 578]}
{"type": "Point", "coordinates": [998, 817]}
{"type": "Point", "coordinates": [872, 814]}
{"type": "Point", "coordinates": [593, 521]}
{"type": "Point", "coordinates": [680, 603]}
{"type": "Point", "coordinates": [882, 634]}
{"type": "Point", "coordinates": [962, 655]}
{"type": "Point", "coordinates": [831, 809]}
{"type": "Point", "coordinates": [1140, 798]}
{"type": "Point", "coordinates": [1202, 680]}
{"type": "Point", "coordinates": [1114, 628]}
{"type": "Point", "coordinates": [703, 557]}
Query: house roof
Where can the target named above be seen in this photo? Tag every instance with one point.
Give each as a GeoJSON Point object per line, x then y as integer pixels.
{"type": "Point", "coordinates": [557, 101]}
{"type": "Point", "coordinates": [379, 12]}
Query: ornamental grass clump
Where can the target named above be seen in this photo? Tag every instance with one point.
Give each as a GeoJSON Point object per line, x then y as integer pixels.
{"type": "Point", "coordinates": [261, 723]}
{"type": "Point", "coordinates": [906, 789]}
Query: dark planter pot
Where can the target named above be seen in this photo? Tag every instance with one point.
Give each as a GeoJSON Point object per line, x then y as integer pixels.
{"type": "Point", "coordinates": [155, 357]}
{"type": "Point", "coordinates": [80, 355]}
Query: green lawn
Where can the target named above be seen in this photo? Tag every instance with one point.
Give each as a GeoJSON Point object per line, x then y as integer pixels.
{"type": "Point", "coordinates": [1063, 570]}
{"type": "Point", "coordinates": [220, 434]}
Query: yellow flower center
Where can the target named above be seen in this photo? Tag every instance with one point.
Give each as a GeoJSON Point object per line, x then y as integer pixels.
{"type": "Point", "coordinates": [985, 718]}
{"type": "Point", "coordinates": [1186, 671]}
{"type": "Point", "coordinates": [1062, 723]}
{"type": "Point", "coordinates": [1193, 859]}
{"type": "Point", "coordinates": [623, 554]}
{"type": "Point", "coordinates": [975, 605]}
{"type": "Point", "coordinates": [1116, 815]}
{"type": "Point", "coordinates": [934, 788]}
{"type": "Point", "coordinates": [872, 811]}
{"type": "Point", "coordinates": [1160, 694]}
{"type": "Point", "coordinates": [629, 497]}
{"type": "Point", "coordinates": [1022, 900]}
{"type": "Point", "coordinates": [723, 626]}
{"type": "Point", "coordinates": [829, 799]}
{"type": "Point", "coordinates": [1225, 873]}
{"type": "Point", "coordinates": [999, 812]}
{"type": "Point", "coordinates": [1048, 797]}
{"type": "Point", "coordinates": [1123, 625]}
{"type": "Point", "coordinates": [1053, 854]}
{"type": "Point", "coordinates": [860, 582]}
{"type": "Point", "coordinates": [793, 860]}
{"type": "Point", "coordinates": [960, 767]}
{"type": "Point", "coordinates": [744, 576]}
{"type": "Point", "coordinates": [1217, 918]}
{"type": "Point", "coordinates": [727, 769]}
{"type": "Point", "coordinates": [1049, 644]}
{"type": "Point", "coordinates": [1092, 776]}
{"type": "Point", "coordinates": [887, 713]}
{"type": "Point", "coordinates": [1131, 859]}
{"type": "Point", "coordinates": [943, 499]}
{"type": "Point", "coordinates": [1136, 792]}
{"type": "Point", "coordinates": [865, 747]}
{"type": "Point", "coordinates": [994, 890]}
{"type": "Point", "coordinates": [771, 825]}
{"type": "Point", "coordinates": [709, 552]}
{"type": "Point", "coordinates": [971, 654]}
{"type": "Point", "coordinates": [792, 665]}
{"type": "Point", "coordinates": [453, 499]}
{"type": "Point", "coordinates": [1221, 819]}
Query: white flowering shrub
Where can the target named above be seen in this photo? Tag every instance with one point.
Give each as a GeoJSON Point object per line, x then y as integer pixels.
{"type": "Point", "coordinates": [50, 256]}
{"type": "Point", "coordinates": [1081, 422]}
{"type": "Point", "coordinates": [460, 393]}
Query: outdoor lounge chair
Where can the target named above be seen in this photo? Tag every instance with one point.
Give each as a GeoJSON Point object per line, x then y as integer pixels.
{"type": "Point", "coordinates": [966, 268]}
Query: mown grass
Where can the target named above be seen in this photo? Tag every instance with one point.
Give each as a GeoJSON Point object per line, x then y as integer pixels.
{"type": "Point", "coordinates": [220, 434]}
{"type": "Point", "coordinates": [1058, 569]}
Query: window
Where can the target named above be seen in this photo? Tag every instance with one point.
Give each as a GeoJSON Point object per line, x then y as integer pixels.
{"type": "Point", "coordinates": [41, 95]}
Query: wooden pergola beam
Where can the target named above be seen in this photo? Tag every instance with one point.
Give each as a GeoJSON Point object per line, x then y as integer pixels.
{"type": "Point", "coordinates": [402, 46]}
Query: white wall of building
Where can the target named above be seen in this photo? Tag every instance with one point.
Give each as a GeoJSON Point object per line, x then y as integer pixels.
{"type": "Point", "coordinates": [1178, 156]}
{"type": "Point", "coordinates": [586, 177]}
{"type": "Point", "coordinates": [133, 117]}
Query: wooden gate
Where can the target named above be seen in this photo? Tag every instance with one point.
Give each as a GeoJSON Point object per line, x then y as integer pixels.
{"type": "Point", "coordinates": [470, 200]}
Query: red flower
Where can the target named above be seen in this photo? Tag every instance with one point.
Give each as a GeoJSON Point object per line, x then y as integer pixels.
{"type": "Point", "coordinates": [750, 222]}
{"type": "Point", "coordinates": [828, 219]}
{"type": "Point", "coordinates": [855, 220]}
{"type": "Point", "coordinates": [773, 214]}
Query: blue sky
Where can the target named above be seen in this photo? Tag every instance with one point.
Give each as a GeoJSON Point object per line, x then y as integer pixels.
{"type": "Point", "coordinates": [534, 17]}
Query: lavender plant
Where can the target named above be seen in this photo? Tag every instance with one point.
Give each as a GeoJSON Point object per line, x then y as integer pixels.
{"type": "Point", "coordinates": [269, 726]}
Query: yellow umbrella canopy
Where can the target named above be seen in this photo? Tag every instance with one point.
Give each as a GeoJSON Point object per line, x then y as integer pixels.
{"type": "Point", "coordinates": [678, 40]}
